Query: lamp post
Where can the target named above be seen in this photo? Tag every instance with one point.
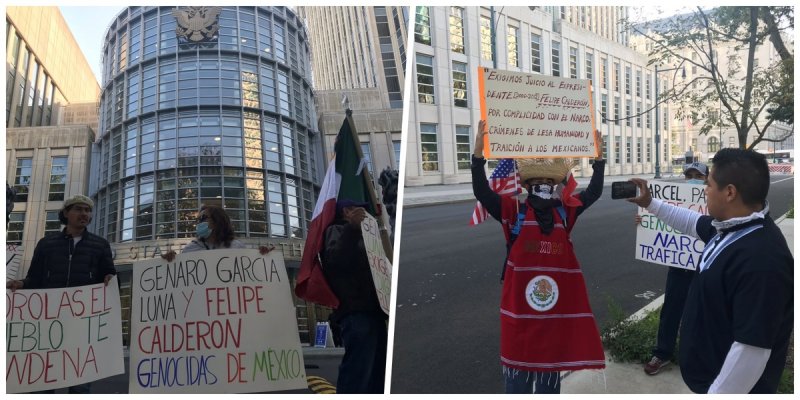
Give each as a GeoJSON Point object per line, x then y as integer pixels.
{"type": "Point", "coordinates": [658, 134]}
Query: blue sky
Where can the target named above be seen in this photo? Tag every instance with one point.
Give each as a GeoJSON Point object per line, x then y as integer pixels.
{"type": "Point", "coordinates": [88, 24]}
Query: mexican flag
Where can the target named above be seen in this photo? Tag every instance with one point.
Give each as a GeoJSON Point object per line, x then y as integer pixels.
{"type": "Point", "coordinates": [344, 180]}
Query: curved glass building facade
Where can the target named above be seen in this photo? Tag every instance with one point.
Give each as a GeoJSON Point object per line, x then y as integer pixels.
{"type": "Point", "coordinates": [229, 120]}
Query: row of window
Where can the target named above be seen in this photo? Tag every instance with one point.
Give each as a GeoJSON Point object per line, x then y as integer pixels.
{"type": "Point", "coordinates": [58, 178]}
{"type": "Point", "coordinates": [240, 29]}
{"type": "Point", "coordinates": [207, 82]}
{"type": "Point", "coordinates": [29, 83]}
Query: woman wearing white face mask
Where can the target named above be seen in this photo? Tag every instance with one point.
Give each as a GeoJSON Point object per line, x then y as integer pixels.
{"type": "Point", "coordinates": [214, 231]}
{"type": "Point", "coordinates": [677, 286]}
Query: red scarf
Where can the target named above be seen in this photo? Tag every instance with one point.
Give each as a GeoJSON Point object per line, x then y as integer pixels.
{"type": "Point", "coordinates": [546, 323]}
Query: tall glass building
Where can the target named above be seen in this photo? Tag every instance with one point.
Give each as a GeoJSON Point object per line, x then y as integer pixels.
{"type": "Point", "coordinates": [205, 105]}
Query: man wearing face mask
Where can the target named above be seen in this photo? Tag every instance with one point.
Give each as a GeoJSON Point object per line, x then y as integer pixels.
{"type": "Point", "coordinates": [678, 282]}
{"type": "Point", "coordinates": [547, 325]}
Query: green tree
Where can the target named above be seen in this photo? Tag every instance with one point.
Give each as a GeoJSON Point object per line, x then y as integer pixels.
{"type": "Point", "coordinates": [729, 89]}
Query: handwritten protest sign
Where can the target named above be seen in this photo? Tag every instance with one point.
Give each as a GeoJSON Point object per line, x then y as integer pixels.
{"type": "Point", "coordinates": [57, 338]}
{"type": "Point", "coordinates": [14, 254]}
{"type": "Point", "coordinates": [658, 243]}
{"type": "Point", "coordinates": [220, 321]}
{"type": "Point", "coordinates": [378, 262]}
{"type": "Point", "coordinates": [531, 115]}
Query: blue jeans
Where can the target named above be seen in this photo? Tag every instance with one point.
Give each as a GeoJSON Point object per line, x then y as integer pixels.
{"type": "Point", "coordinates": [678, 282]}
{"type": "Point", "coordinates": [364, 363]}
{"type": "Point", "coordinates": [523, 382]}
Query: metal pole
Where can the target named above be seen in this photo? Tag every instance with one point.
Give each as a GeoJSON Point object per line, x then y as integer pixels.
{"type": "Point", "coordinates": [658, 135]}
{"type": "Point", "coordinates": [492, 33]}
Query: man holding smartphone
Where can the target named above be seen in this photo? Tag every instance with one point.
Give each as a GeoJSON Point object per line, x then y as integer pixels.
{"type": "Point", "coordinates": [678, 282]}
{"type": "Point", "coordinates": [739, 311]}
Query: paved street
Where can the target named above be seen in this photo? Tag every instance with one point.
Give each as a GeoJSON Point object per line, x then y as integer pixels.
{"type": "Point", "coordinates": [447, 337]}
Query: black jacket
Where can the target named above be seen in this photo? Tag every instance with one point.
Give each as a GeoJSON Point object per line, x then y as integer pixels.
{"type": "Point", "coordinates": [53, 267]}
{"type": "Point", "coordinates": [346, 268]}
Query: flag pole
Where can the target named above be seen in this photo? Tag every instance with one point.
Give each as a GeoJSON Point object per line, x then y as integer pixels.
{"type": "Point", "coordinates": [387, 245]}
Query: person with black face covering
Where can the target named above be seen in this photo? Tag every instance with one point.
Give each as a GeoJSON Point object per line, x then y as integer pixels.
{"type": "Point", "coordinates": [72, 257]}
{"type": "Point", "coordinates": [546, 323]}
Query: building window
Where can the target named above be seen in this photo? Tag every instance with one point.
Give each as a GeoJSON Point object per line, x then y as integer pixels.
{"type": "Point", "coordinates": [422, 25]}
{"type": "Point", "coordinates": [666, 119]}
{"type": "Point", "coordinates": [536, 53]}
{"type": "Point", "coordinates": [486, 38]}
{"type": "Point", "coordinates": [638, 150]}
{"type": "Point", "coordinates": [616, 77]}
{"type": "Point", "coordinates": [627, 113]}
{"type": "Point", "coordinates": [713, 144]}
{"type": "Point", "coordinates": [647, 87]}
{"type": "Point", "coordinates": [556, 59]}
{"type": "Point", "coordinates": [430, 147]}
{"type": "Point", "coordinates": [628, 149]}
{"type": "Point", "coordinates": [604, 107]}
{"type": "Point", "coordinates": [396, 145]}
{"type": "Point", "coordinates": [425, 79]}
{"type": "Point", "coordinates": [589, 66]}
{"type": "Point", "coordinates": [627, 80]}
{"type": "Point", "coordinates": [367, 153]}
{"type": "Point", "coordinates": [616, 111]}
{"type": "Point", "coordinates": [52, 224]}
{"type": "Point", "coordinates": [459, 84]}
{"type": "Point", "coordinates": [513, 45]}
{"type": "Point", "coordinates": [58, 179]}
{"type": "Point", "coordinates": [457, 29]}
{"type": "Point", "coordinates": [23, 179]}
{"type": "Point", "coordinates": [638, 84]}
{"type": "Point", "coordinates": [638, 114]}
{"type": "Point", "coordinates": [463, 147]}
{"type": "Point", "coordinates": [617, 144]}
{"type": "Point", "coordinates": [649, 150]}
{"type": "Point", "coordinates": [605, 147]}
{"type": "Point", "coordinates": [15, 229]}
{"type": "Point", "coordinates": [573, 62]}
{"type": "Point", "coordinates": [604, 73]}
{"type": "Point", "coordinates": [647, 120]}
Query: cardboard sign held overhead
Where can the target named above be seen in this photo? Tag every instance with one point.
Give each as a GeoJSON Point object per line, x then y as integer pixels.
{"type": "Point", "coordinates": [378, 262]}
{"type": "Point", "coordinates": [536, 116]}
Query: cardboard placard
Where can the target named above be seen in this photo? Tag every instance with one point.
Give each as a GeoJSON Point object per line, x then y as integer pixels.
{"type": "Point", "coordinates": [58, 338]}
{"type": "Point", "coordinates": [659, 243]}
{"type": "Point", "coordinates": [378, 262]}
{"type": "Point", "coordinates": [14, 254]}
{"type": "Point", "coordinates": [536, 116]}
{"type": "Point", "coordinates": [216, 321]}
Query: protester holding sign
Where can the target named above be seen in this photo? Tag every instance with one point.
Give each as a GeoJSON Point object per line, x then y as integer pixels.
{"type": "Point", "coordinates": [363, 323]}
{"type": "Point", "coordinates": [738, 318]}
{"type": "Point", "coordinates": [678, 282]}
{"type": "Point", "coordinates": [72, 257]}
{"type": "Point", "coordinates": [547, 325]}
{"type": "Point", "coordinates": [214, 231]}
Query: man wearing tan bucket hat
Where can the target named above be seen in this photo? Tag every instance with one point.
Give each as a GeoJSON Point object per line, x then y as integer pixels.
{"type": "Point", "coordinates": [546, 323]}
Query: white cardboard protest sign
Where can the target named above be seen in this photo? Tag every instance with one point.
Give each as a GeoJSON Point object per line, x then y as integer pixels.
{"type": "Point", "coordinates": [57, 338]}
{"type": "Point", "coordinates": [378, 262]}
{"type": "Point", "coordinates": [220, 321]}
{"type": "Point", "coordinates": [14, 254]}
{"type": "Point", "coordinates": [532, 115]}
{"type": "Point", "coordinates": [658, 243]}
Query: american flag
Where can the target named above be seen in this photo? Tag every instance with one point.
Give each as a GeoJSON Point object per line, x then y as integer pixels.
{"type": "Point", "coordinates": [503, 181]}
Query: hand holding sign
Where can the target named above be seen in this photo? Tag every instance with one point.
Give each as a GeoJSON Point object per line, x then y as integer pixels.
{"type": "Point", "coordinates": [479, 138]}
{"type": "Point", "coordinates": [643, 199]}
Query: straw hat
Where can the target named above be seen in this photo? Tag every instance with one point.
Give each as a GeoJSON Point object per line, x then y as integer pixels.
{"type": "Point", "coordinates": [553, 168]}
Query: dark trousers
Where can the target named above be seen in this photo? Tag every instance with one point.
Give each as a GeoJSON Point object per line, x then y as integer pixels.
{"type": "Point", "coordinates": [678, 282]}
{"type": "Point", "coordinates": [524, 382]}
{"type": "Point", "coordinates": [364, 363]}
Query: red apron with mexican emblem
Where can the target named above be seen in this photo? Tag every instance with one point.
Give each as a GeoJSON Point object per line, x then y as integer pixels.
{"type": "Point", "coordinates": [546, 323]}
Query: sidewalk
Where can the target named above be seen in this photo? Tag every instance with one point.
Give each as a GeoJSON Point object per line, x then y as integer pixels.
{"type": "Point", "coordinates": [616, 377]}
{"type": "Point", "coordinates": [418, 196]}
